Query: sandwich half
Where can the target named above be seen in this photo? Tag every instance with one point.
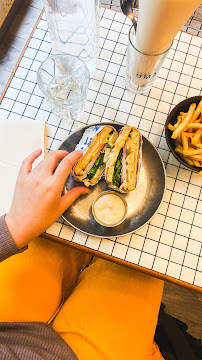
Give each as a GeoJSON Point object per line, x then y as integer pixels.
{"type": "Point", "coordinates": [122, 167]}
{"type": "Point", "coordinates": [91, 165]}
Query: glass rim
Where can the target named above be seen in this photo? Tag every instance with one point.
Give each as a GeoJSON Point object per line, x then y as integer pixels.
{"type": "Point", "coordinates": [61, 55]}
{"type": "Point", "coordinates": [132, 27]}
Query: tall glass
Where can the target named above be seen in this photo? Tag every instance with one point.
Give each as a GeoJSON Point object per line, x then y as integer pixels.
{"type": "Point", "coordinates": [74, 28]}
{"type": "Point", "coordinates": [141, 68]}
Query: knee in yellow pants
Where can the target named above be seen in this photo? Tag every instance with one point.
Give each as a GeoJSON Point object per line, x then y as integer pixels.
{"type": "Point", "coordinates": [111, 314]}
{"type": "Point", "coordinates": [33, 283]}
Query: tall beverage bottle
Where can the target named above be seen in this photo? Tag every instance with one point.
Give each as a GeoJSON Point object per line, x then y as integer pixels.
{"type": "Point", "coordinates": [74, 28]}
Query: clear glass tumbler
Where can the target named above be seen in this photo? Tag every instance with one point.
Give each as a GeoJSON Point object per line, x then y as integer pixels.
{"type": "Point", "coordinates": [141, 68]}
{"type": "Point", "coordinates": [74, 28]}
{"type": "Point", "coordinates": [64, 81]}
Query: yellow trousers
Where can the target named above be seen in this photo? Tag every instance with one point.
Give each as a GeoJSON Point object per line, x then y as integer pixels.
{"type": "Point", "coordinates": [105, 312]}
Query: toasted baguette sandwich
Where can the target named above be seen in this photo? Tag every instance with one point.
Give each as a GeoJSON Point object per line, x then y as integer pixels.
{"type": "Point", "coordinates": [91, 165]}
{"type": "Point", "coordinates": [124, 161]}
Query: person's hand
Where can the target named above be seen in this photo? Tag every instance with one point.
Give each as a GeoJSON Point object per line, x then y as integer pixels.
{"type": "Point", "coordinates": [37, 200]}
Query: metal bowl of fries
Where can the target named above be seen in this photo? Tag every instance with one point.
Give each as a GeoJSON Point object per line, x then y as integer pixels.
{"type": "Point", "coordinates": [183, 130]}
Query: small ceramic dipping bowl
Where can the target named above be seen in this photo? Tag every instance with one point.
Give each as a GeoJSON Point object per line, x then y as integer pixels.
{"type": "Point", "coordinates": [109, 205]}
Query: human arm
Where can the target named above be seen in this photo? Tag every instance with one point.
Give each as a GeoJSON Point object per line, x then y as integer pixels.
{"type": "Point", "coordinates": [37, 200]}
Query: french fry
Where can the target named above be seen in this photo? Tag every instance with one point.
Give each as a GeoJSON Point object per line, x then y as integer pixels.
{"type": "Point", "coordinates": [196, 157]}
{"type": "Point", "coordinates": [196, 163]}
{"type": "Point", "coordinates": [171, 127]}
{"type": "Point", "coordinates": [188, 161]}
{"type": "Point", "coordinates": [197, 112]}
{"type": "Point", "coordinates": [197, 136]}
{"type": "Point", "coordinates": [179, 120]}
{"type": "Point", "coordinates": [200, 173]}
{"type": "Point", "coordinates": [198, 120]}
{"type": "Point", "coordinates": [184, 141]}
{"type": "Point", "coordinates": [199, 146]}
{"type": "Point", "coordinates": [192, 152]}
{"type": "Point", "coordinates": [189, 135]}
{"type": "Point", "coordinates": [194, 126]}
{"type": "Point", "coordinates": [179, 150]}
{"type": "Point", "coordinates": [184, 122]}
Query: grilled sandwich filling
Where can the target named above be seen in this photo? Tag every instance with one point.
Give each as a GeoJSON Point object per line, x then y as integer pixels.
{"type": "Point", "coordinates": [90, 167]}
{"type": "Point", "coordinates": [122, 167]}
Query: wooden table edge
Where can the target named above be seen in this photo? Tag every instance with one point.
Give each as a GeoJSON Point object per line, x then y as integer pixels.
{"type": "Point", "coordinates": [121, 262]}
{"type": "Point", "coordinates": [83, 248]}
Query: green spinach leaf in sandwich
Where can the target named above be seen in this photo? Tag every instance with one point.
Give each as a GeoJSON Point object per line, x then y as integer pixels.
{"type": "Point", "coordinates": [117, 170]}
{"type": "Point", "coordinates": [98, 162]}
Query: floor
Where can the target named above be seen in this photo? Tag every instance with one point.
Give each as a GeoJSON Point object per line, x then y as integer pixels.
{"type": "Point", "coordinates": [184, 304]}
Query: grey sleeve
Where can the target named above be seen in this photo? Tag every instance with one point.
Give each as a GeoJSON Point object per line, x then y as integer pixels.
{"type": "Point", "coordinates": [7, 246]}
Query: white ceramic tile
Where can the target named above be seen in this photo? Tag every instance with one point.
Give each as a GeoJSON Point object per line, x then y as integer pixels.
{"type": "Point", "coordinates": [93, 242]}
{"type": "Point", "coordinates": [177, 256]}
{"type": "Point", "coordinates": [150, 246]}
{"type": "Point", "coordinates": [190, 260]}
{"type": "Point", "coordinates": [133, 256]}
{"type": "Point", "coordinates": [170, 224]}
{"type": "Point", "coordinates": [143, 230]}
{"type": "Point", "coordinates": [167, 237]}
{"type": "Point", "coordinates": [54, 229]}
{"type": "Point", "coordinates": [119, 251]}
{"type": "Point", "coordinates": [184, 175]}
{"type": "Point", "coordinates": [195, 179]}
{"type": "Point", "coordinates": [177, 199]}
{"type": "Point", "coordinates": [79, 238]}
{"type": "Point", "coordinates": [180, 187]}
{"type": "Point", "coordinates": [171, 170]}
{"type": "Point", "coordinates": [173, 270]}
{"type": "Point", "coordinates": [199, 207]}
{"type": "Point", "coordinates": [193, 191]}
{"type": "Point", "coordinates": [160, 265]}
{"type": "Point", "coordinates": [158, 220]}
{"type": "Point", "coordinates": [198, 221]}
{"type": "Point", "coordinates": [187, 275]}
{"type": "Point", "coordinates": [146, 260]}
{"type": "Point", "coordinates": [174, 211]}
{"type": "Point", "coordinates": [183, 228]}
{"type": "Point", "coordinates": [137, 241]}
{"type": "Point", "coordinates": [7, 104]}
{"type": "Point", "coordinates": [187, 216]}
{"type": "Point", "coordinates": [163, 251]}
{"type": "Point", "coordinates": [199, 267]}
{"type": "Point", "coordinates": [196, 233]}
{"type": "Point", "coordinates": [67, 232]}
{"type": "Point", "coordinates": [124, 239]}
{"type": "Point", "coordinates": [106, 246]}
{"type": "Point", "coordinates": [170, 183]}
{"type": "Point", "coordinates": [190, 203]}
{"type": "Point", "coordinates": [194, 247]}
{"type": "Point", "coordinates": [153, 233]}
{"type": "Point", "coordinates": [198, 279]}
{"type": "Point", "coordinates": [11, 93]}
{"type": "Point", "coordinates": [180, 242]}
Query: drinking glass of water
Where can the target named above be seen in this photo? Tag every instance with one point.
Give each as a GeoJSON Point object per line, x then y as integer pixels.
{"type": "Point", "coordinates": [64, 81]}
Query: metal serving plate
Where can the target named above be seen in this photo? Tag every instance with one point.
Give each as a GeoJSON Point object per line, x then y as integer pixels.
{"type": "Point", "coordinates": [143, 202]}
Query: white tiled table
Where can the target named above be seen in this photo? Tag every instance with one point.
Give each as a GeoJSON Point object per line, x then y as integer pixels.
{"type": "Point", "coordinates": [170, 245]}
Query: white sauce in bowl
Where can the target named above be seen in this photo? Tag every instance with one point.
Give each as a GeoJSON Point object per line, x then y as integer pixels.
{"type": "Point", "coordinates": [109, 209]}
